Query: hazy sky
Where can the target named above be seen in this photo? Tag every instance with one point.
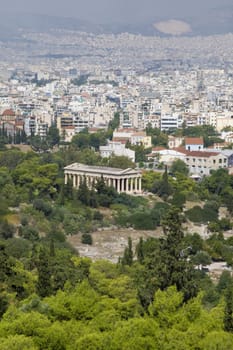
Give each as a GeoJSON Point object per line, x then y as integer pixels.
{"type": "Point", "coordinates": [114, 10]}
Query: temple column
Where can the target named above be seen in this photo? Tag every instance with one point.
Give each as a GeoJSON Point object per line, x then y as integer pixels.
{"type": "Point", "coordinates": [130, 185]}
{"type": "Point", "coordinates": [127, 185]}
{"type": "Point", "coordinates": [123, 185]}
{"type": "Point", "coordinates": [140, 184]}
{"type": "Point", "coordinates": [118, 185]}
{"type": "Point", "coordinates": [136, 184]}
{"type": "Point", "coordinates": [74, 180]}
{"type": "Point", "coordinates": [66, 179]}
{"type": "Point", "coordinates": [114, 183]}
{"type": "Point", "coordinates": [89, 181]}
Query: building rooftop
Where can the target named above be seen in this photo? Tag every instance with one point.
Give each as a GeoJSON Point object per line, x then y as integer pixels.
{"type": "Point", "coordinates": [194, 141]}
{"type": "Point", "coordinates": [8, 112]}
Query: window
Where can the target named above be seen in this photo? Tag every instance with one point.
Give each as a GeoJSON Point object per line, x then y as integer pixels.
{"type": "Point", "coordinates": [214, 161]}
{"type": "Point", "coordinates": [220, 160]}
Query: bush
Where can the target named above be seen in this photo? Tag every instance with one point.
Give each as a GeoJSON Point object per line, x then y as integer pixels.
{"type": "Point", "coordinates": [142, 221]}
{"type": "Point", "coordinates": [86, 238]}
{"type": "Point", "coordinates": [6, 230]}
{"type": "Point", "coordinates": [41, 205]}
{"type": "Point", "coordinates": [29, 232]}
{"type": "Point", "coordinates": [197, 214]}
{"type": "Point", "coordinates": [98, 216]}
{"type": "Point", "coordinates": [57, 236]}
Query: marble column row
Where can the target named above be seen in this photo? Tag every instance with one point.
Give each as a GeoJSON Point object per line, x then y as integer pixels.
{"type": "Point", "coordinates": [127, 184]}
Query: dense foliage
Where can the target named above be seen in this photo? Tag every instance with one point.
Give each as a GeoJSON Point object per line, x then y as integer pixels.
{"type": "Point", "coordinates": [158, 296]}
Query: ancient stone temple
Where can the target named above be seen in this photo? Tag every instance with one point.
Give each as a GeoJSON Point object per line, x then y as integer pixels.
{"type": "Point", "coordinates": [123, 180]}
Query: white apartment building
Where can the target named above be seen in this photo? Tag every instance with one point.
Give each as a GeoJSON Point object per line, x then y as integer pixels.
{"type": "Point", "coordinates": [118, 149]}
{"type": "Point", "coordinates": [170, 121]}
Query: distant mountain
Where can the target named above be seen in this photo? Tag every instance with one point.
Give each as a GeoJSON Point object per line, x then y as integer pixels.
{"type": "Point", "coordinates": [11, 24]}
{"type": "Point", "coordinates": [217, 21]}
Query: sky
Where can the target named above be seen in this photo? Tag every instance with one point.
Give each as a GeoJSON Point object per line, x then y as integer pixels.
{"type": "Point", "coordinates": [107, 11]}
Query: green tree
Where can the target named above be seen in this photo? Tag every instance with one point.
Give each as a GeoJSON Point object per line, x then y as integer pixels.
{"type": "Point", "coordinates": [228, 312]}
{"type": "Point", "coordinates": [140, 250]}
{"type": "Point", "coordinates": [127, 258]}
{"type": "Point", "coordinates": [174, 268]}
{"type": "Point", "coordinates": [121, 162]}
{"type": "Point", "coordinates": [202, 258]}
{"type": "Point", "coordinates": [163, 187]}
{"type": "Point", "coordinates": [178, 166]}
{"type": "Point", "coordinates": [44, 287]}
{"type": "Point", "coordinates": [115, 122]}
{"type": "Point", "coordinates": [83, 192]}
{"type": "Point", "coordinates": [53, 136]}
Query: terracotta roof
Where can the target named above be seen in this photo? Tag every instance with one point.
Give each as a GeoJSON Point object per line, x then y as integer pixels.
{"type": "Point", "coordinates": [127, 130]}
{"type": "Point", "coordinates": [139, 133]}
{"type": "Point", "coordinates": [156, 149]}
{"type": "Point", "coordinates": [194, 141]}
{"type": "Point", "coordinates": [8, 112]}
{"type": "Point", "coordinates": [120, 139]}
{"type": "Point", "coordinates": [201, 154]}
{"type": "Point", "coordinates": [180, 149]}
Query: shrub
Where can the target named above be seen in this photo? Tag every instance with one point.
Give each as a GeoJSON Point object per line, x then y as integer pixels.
{"type": "Point", "coordinates": [41, 205]}
{"type": "Point", "coordinates": [87, 238]}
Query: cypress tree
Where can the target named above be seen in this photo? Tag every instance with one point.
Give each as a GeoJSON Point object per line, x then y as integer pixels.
{"type": "Point", "coordinates": [128, 254]}
{"type": "Point", "coordinates": [139, 250]}
{"type": "Point", "coordinates": [44, 286]}
{"type": "Point", "coordinates": [228, 311]}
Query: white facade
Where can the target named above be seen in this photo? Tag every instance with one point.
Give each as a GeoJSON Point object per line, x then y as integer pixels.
{"type": "Point", "coordinates": [118, 149]}
{"type": "Point", "coordinates": [201, 163]}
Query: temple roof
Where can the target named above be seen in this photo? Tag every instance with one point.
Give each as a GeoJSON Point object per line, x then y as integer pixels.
{"type": "Point", "coordinates": [100, 170]}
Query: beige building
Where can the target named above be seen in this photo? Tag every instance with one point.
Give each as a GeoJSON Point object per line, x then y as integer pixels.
{"type": "Point", "coordinates": [123, 180]}
{"type": "Point", "coordinates": [202, 162]}
{"type": "Point", "coordinates": [140, 138]}
{"type": "Point", "coordinates": [174, 142]}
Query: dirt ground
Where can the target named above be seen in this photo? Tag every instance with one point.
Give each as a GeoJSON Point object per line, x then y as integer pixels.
{"type": "Point", "coordinates": [110, 244]}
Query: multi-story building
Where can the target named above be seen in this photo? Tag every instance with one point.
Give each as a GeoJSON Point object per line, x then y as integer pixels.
{"type": "Point", "coordinates": [118, 149]}
{"type": "Point", "coordinates": [202, 162]}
